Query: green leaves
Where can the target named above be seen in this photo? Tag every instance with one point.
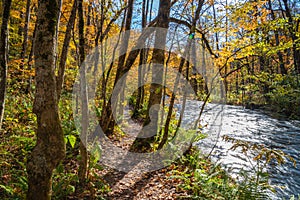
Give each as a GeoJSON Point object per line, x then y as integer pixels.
{"type": "Point", "coordinates": [204, 180]}
{"type": "Point", "coordinates": [72, 140]}
{"type": "Point", "coordinates": [7, 189]}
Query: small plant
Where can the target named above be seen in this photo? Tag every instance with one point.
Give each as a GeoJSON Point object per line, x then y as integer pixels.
{"type": "Point", "coordinates": [204, 180]}
{"type": "Point", "coordinates": [256, 184]}
{"type": "Point", "coordinates": [294, 197]}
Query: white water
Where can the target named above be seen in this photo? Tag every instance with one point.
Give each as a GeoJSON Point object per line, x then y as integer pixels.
{"type": "Point", "coordinates": [255, 127]}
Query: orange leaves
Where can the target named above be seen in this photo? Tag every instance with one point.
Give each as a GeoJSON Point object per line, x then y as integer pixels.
{"type": "Point", "coordinates": [211, 2]}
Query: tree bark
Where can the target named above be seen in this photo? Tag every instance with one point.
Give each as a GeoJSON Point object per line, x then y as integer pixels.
{"type": "Point", "coordinates": [25, 33]}
{"type": "Point", "coordinates": [142, 62]}
{"type": "Point", "coordinates": [107, 126]}
{"type": "Point", "coordinates": [4, 56]}
{"type": "Point", "coordinates": [223, 93]}
{"type": "Point", "coordinates": [158, 59]}
{"type": "Point", "coordinates": [293, 31]}
{"type": "Point", "coordinates": [83, 163]}
{"type": "Point", "coordinates": [65, 49]}
{"type": "Point", "coordinates": [30, 60]}
{"type": "Point", "coordinates": [190, 44]}
{"type": "Point", "coordinates": [50, 145]}
{"type": "Point", "coordinates": [121, 61]}
{"type": "Point", "coordinates": [279, 53]}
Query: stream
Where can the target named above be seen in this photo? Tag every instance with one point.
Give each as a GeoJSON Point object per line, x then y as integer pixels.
{"type": "Point", "coordinates": [253, 126]}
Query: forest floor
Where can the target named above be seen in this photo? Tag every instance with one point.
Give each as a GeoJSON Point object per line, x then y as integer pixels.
{"type": "Point", "coordinates": [137, 184]}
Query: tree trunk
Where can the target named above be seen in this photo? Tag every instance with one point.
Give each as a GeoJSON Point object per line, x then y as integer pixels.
{"type": "Point", "coordinates": [4, 56]}
{"type": "Point", "coordinates": [158, 59]}
{"type": "Point", "coordinates": [106, 120]}
{"type": "Point", "coordinates": [293, 31]}
{"type": "Point", "coordinates": [107, 126]}
{"type": "Point", "coordinates": [226, 40]}
{"type": "Point", "coordinates": [83, 163]}
{"type": "Point", "coordinates": [237, 83]}
{"type": "Point", "coordinates": [50, 146]}
{"type": "Point", "coordinates": [190, 44]}
{"type": "Point", "coordinates": [121, 61]}
{"type": "Point", "coordinates": [279, 53]}
{"type": "Point", "coordinates": [30, 60]}
{"type": "Point", "coordinates": [223, 93]}
{"type": "Point", "coordinates": [25, 33]}
{"type": "Point", "coordinates": [142, 62]}
{"type": "Point", "coordinates": [65, 49]}
{"type": "Point", "coordinates": [204, 70]}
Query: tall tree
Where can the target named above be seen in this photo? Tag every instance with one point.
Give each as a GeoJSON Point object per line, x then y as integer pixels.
{"type": "Point", "coordinates": [158, 60]}
{"type": "Point", "coordinates": [25, 33]}
{"type": "Point", "coordinates": [50, 145]}
{"type": "Point", "coordinates": [277, 40]}
{"type": "Point", "coordinates": [293, 27]}
{"type": "Point", "coordinates": [82, 172]}
{"type": "Point", "coordinates": [65, 49]}
{"type": "Point", "coordinates": [123, 48]}
{"type": "Point", "coordinates": [143, 60]}
{"type": "Point", "coordinates": [4, 56]}
{"type": "Point", "coordinates": [189, 47]}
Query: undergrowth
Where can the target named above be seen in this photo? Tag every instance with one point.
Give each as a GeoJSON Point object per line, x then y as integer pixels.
{"type": "Point", "coordinates": [199, 176]}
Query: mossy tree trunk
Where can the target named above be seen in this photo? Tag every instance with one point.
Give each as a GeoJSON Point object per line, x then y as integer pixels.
{"type": "Point", "coordinates": [50, 145]}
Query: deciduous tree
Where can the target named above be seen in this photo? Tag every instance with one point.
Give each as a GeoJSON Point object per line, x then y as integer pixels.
{"type": "Point", "coordinates": [4, 56]}
{"type": "Point", "coordinates": [50, 145]}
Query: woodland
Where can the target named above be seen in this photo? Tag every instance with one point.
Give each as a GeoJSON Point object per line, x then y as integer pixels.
{"type": "Point", "coordinates": [64, 63]}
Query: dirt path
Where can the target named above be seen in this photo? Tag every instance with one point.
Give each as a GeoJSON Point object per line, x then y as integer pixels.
{"type": "Point", "coordinates": [137, 185]}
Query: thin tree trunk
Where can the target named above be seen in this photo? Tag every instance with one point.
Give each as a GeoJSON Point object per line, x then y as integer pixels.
{"type": "Point", "coordinates": [4, 56]}
{"type": "Point", "coordinates": [237, 84]}
{"type": "Point", "coordinates": [65, 49]}
{"type": "Point", "coordinates": [190, 44]}
{"type": "Point", "coordinates": [226, 41]}
{"type": "Point", "coordinates": [204, 72]}
{"type": "Point", "coordinates": [50, 146]}
{"type": "Point", "coordinates": [100, 35]}
{"type": "Point", "coordinates": [142, 62]}
{"type": "Point", "coordinates": [83, 164]}
{"type": "Point", "coordinates": [106, 115]}
{"type": "Point", "coordinates": [30, 59]}
{"type": "Point", "coordinates": [25, 33]}
{"type": "Point", "coordinates": [293, 31]}
{"type": "Point", "coordinates": [124, 48]}
{"type": "Point", "coordinates": [223, 95]}
{"type": "Point", "coordinates": [158, 59]}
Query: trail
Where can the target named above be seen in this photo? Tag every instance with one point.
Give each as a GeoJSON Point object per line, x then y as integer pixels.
{"type": "Point", "coordinates": [136, 184]}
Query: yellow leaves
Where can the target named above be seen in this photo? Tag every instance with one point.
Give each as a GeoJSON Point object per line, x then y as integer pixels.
{"type": "Point", "coordinates": [210, 2]}
{"type": "Point", "coordinates": [250, 15]}
{"type": "Point", "coordinates": [15, 14]}
{"type": "Point", "coordinates": [278, 155]}
{"type": "Point", "coordinates": [263, 153]}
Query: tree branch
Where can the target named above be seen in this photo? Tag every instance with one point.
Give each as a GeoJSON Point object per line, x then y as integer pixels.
{"type": "Point", "coordinates": [182, 22]}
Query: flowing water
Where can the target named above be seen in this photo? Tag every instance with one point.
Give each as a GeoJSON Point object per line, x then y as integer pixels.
{"type": "Point", "coordinates": [253, 126]}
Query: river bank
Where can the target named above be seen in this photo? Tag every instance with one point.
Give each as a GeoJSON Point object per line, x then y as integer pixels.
{"type": "Point", "coordinates": [255, 127]}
